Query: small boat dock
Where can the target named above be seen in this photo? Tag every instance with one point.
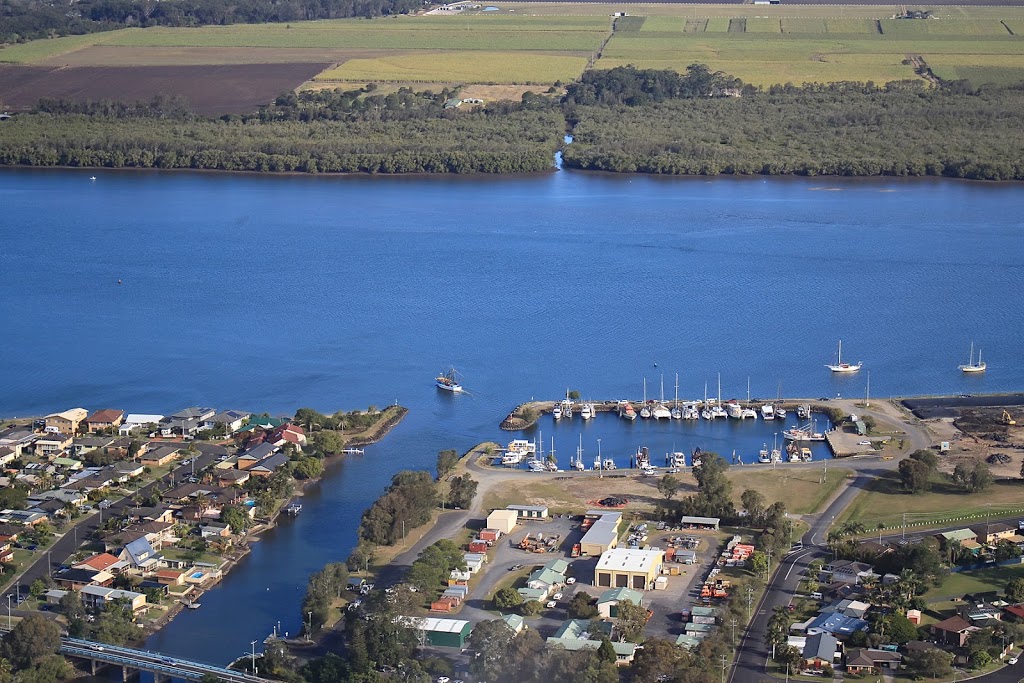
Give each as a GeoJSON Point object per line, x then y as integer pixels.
{"type": "Point", "coordinates": [352, 451]}
{"type": "Point", "coordinates": [293, 508]}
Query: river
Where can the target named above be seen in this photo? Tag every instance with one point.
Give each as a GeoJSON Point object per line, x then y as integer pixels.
{"type": "Point", "coordinates": [271, 293]}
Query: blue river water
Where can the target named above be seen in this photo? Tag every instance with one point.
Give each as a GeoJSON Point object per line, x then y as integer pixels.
{"type": "Point", "coordinates": [271, 293]}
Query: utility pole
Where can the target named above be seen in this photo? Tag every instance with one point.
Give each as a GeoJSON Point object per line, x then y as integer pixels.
{"type": "Point", "coordinates": [768, 571]}
{"type": "Point", "coordinates": [750, 597]}
{"type": "Point", "coordinates": [723, 668]}
{"type": "Point", "coordinates": [867, 393]}
{"type": "Point", "coordinates": [904, 526]}
{"type": "Point", "coordinates": [824, 472]}
{"type": "Point", "coordinates": [600, 462]}
{"type": "Point", "coordinates": [255, 671]}
{"type": "Point", "coordinates": [733, 623]}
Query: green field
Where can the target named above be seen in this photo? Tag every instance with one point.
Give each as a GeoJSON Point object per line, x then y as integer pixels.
{"type": "Point", "coordinates": [799, 489]}
{"type": "Point", "coordinates": [885, 502]}
{"type": "Point", "coordinates": [460, 67]}
{"type": "Point", "coordinates": [979, 69]}
{"type": "Point", "coordinates": [961, 583]}
{"type": "Point", "coordinates": [40, 49]}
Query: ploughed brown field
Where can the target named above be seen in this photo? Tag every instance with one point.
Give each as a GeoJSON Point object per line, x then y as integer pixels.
{"type": "Point", "coordinates": [212, 90]}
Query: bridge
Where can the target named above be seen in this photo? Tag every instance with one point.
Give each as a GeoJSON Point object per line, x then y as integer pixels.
{"type": "Point", "coordinates": [163, 667]}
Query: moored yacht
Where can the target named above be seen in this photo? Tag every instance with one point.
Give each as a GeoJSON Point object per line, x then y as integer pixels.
{"type": "Point", "coordinates": [626, 411]}
{"type": "Point", "coordinates": [971, 366]}
{"type": "Point", "coordinates": [587, 411]}
{"type": "Point", "coordinates": [556, 411]}
{"type": "Point", "coordinates": [780, 413]}
{"type": "Point", "coordinates": [733, 410]}
{"type": "Point", "coordinates": [840, 366]}
{"type": "Point", "coordinates": [767, 412]}
{"type": "Point", "coordinates": [763, 455]}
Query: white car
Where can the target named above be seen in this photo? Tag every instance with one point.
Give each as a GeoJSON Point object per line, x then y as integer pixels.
{"type": "Point", "coordinates": [443, 679]}
{"type": "Point", "coordinates": [550, 604]}
{"type": "Point", "coordinates": [863, 443]}
{"type": "Point", "coordinates": [556, 596]}
{"type": "Point", "coordinates": [1013, 660]}
{"type": "Point", "coordinates": [570, 581]}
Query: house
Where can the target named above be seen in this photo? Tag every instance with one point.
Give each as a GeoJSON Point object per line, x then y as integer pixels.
{"type": "Point", "coordinates": [87, 444]}
{"type": "Point", "coordinates": [188, 492]}
{"type": "Point", "coordinates": [6, 552]}
{"type": "Point", "coordinates": [140, 556]}
{"type": "Point", "coordinates": [821, 650]}
{"type": "Point", "coordinates": [608, 603]}
{"type": "Point", "coordinates": [288, 433]}
{"type": "Point", "coordinates": [952, 631]}
{"type": "Point", "coordinates": [514, 622]}
{"type": "Point", "coordinates": [150, 514]}
{"type": "Point", "coordinates": [170, 577]}
{"type": "Point", "coordinates": [185, 422]}
{"type": "Point", "coordinates": [17, 438]}
{"type": "Point", "coordinates": [837, 624]}
{"type": "Point", "coordinates": [849, 571]}
{"type": "Point", "coordinates": [7, 455]}
{"type": "Point", "coordinates": [128, 469]}
{"type": "Point", "coordinates": [503, 520]}
{"type": "Point", "coordinates": [136, 421]}
{"type": "Point", "coordinates": [870, 661]}
{"type": "Point", "coordinates": [873, 549]}
{"type": "Point", "coordinates": [50, 444]}
{"type": "Point", "coordinates": [992, 533]}
{"type": "Point", "coordinates": [575, 635]}
{"type": "Point", "coordinates": [97, 598]}
{"type": "Point", "coordinates": [629, 568]}
{"type": "Point", "coordinates": [22, 517]}
{"type": "Point", "coordinates": [602, 532]}
{"type": "Point", "coordinates": [66, 422]}
{"type": "Point", "coordinates": [76, 579]}
{"type": "Point", "coordinates": [102, 562]}
{"type": "Point", "coordinates": [849, 607]}
{"type": "Point", "coordinates": [158, 534]}
{"type": "Point", "coordinates": [979, 613]}
{"type": "Point", "coordinates": [948, 538]}
{"type": "Point", "coordinates": [214, 530]}
{"type": "Point", "coordinates": [227, 478]}
{"type": "Point", "coordinates": [255, 455]}
{"type": "Point", "coordinates": [68, 464]}
{"type": "Point", "coordinates": [159, 456]}
{"type": "Point", "coordinates": [231, 419]}
{"type": "Point", "coordinates": [108, 418]}
{"type": "Point", "coordinates": [269, 465]}
{"type": "Point", "coordinates": [1014, 613]}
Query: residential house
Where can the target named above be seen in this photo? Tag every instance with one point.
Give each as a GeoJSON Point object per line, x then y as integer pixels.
{"type": "Point", "coordinates": [980, 614]}
{"type": "Point", "coordinates": [608, 603]}
{"type": "Point", "coordinates": [150, 514]}
{"type": "Point", "coordinates": [19, 439]}
{"type": "Point", "coordinates": [255, 455]}
{"type": "Point", "coordinates": [870, 661]}
{"type": "Point", "coordinates": [52, 508]}
{"type": "Point", "coordinates": [170, 577]}
{"type": "Point", "coordinates": [514, 622]}
{"type": "Point", "coordinates": [186, 422]}
{"type": "Point", "coordinates": [575, 635]}
{"type": "Point", "coordinates": [95, 479]}
{"type": "Point", "coordinates": [6, 552]}
{"type": "Point", "coordinates": [137, 421]}
{"type": "Point", "coordinates": [7, 455]}
{"type": "Point", "coordinates": [992, 533]}
{"type": "Point", "coordinates": [108, 418]}
{"type": "Point", "coordinates": [952, 631]}
{"type": "Point", "coordinates": [821, 650]}
{"type": "Point", "coordinates": [87, 444]}
{"type": "Point", "coordinates": [49, 445]}
{"type": "Point", "coordinates": [849, 571]}
{"type": "Point", "coordinates": [66, 422]}
{"type": "Point", "coordinates": [545, 580]}
{"type": "Point", "coordinates": [231, 419]}
{"type": "Point", "coordinates": [872, 549]}
{"type": "Point", "coordinates": [837, 624]}
{"type": "Point", "coordinates": [159, 534]}
{"type": "Point", "coordinates": [267, 466]}
{"type": "Point", "coordinates": [965, 538]}
{"type": "Point", "coordinates": [128, 469]}
{"type": "Point", "coordinates": [159, 456]}
{"type": "Point", "coordinates": [1014, 613]}
{"type": "Point", "coordinates": [76, 579]}
{"type": "Point", "coordinates": [97, 598]}
{"type": "Point", "coordinates": [848, 607]}
{"type": "Point", "coordinates": [228, 478]}
{"type": "Point", "coordinates": [22, 517]}
{"type": "Point", "coordinates": [101, 562]}
{"type": "Point", "coordinates": [214, 530]}
{"type": "Point", "coordinates": [288, 433]}
{"type": "Point", "coordinates": [186, 493]}
{"type": "Point", "coordinates": [141, 556]}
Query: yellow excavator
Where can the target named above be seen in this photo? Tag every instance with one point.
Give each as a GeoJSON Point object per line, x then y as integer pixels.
{"type": "Point", "coordinates": [1007, 420]}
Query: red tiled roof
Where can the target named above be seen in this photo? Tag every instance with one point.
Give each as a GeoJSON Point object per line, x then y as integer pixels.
{"type": "Point", "coordinates": [1016, 610]}
{"type": "Point", "coordinates": [99, 562]}
{"type": "Point", "coordinates": [105, 415]}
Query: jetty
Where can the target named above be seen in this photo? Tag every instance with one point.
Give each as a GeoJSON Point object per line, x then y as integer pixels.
{"type": "Point", "coordinates": [293, 508]}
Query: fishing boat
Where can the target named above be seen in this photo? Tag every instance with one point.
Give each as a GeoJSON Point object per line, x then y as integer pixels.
{"type": "Point", "coordinates": [448, 381]}
{"type": "Point", "coordinates": [767, 412]}
{"type": "Point", "coordinates": [567, 406]}
{"type": "Point", "coordinates": [794, 456]}
{"type": "Point", "coordinates": [807, 432]}
{"type": "Point", "coordinates": [587, 411]}
{"type": "Point", "coordinates": [608, 464]}
{"type": "Point", "coordinates": [293, 508]}
{"type": "Point", "coordinates": [971, 366]}
{"type": "Point", "coordinates": [803, 411]}
{"type": "Point", "coordinates": [840, 366]}
{"type": "Point", "coordinates": [763, 456]}
{"type": "Point", "coordinates": [626, 411]}
{"type": "Point", "coordinates": [643, 458]}
{"type": "Point", "coordinates": [805, 454]}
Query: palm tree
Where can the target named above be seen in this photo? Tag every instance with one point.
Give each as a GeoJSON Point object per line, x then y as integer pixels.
{"type": "Point", "coordinates": [778, 628]}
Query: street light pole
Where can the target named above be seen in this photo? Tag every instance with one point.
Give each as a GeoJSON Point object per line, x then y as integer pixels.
{"type": "Point", "coordinates": [9, 611]}
{"type": "Point", "coordinates": [255, 671]}
{"type": "Point", "coordinates": [600, 466]}
{"type": "Point", "coordinates": [309, 628]}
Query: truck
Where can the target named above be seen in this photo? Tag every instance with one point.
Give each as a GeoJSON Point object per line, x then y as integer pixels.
{"type": "Point", "coordinates": [577, 549]}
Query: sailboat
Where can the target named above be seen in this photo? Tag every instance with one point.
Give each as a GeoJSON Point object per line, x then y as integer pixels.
{"type": "Point", "coordinates": [706, 410]}
{"type": "Point", "coordinates": [717, 410]}
{"type": "Point", "coordinates": [677, 413]}
{"type": "Point", "coordinates": [971, 366]}
{"type": "Point", "coordinates": [747, 411]}
{"type": "Point", "coordinates": [840, 366]}
{"type": "Point", "coordinates": [660, 412]}
{"type": "Point", "coordinates": [645, 410]}
{"type": "Point", "coordinates": [448, 381]}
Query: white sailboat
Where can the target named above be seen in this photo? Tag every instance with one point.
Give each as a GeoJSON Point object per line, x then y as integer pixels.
{"type": "Point", "coordinates": [567, 406]}
{"type": "Point", "coordinates": [717, 410]}
{"type": "Point", "coordinates": [840, 366]}
{"type": "Point", "coordinates": [677, 413]}
{"type": "Point", "coordinates": [706, 410]}
{"type": "Point", "coordinates": [971, 366]}
{"type": "Point", "coordinates": [660, 410]}
{"type": "Point", "coordinates": [748, 413]}
{"type": "Point", "coordinates": [645, 409]}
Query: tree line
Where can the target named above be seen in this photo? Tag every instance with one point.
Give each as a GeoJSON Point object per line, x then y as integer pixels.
{"type": "Point", "coordinates": [31, 19]}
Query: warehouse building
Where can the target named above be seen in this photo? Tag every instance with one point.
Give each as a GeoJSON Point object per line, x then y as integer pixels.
{"type": "Point", "coordinates": [629, 568]}
{"type": "Point", "coordinates": [441, 632]}
{"type": "Point", "coordinates": [502, 520]}
{"type": "Point", "coordinates": [530, 511]}
{"type": "Point", "coordinates": [603, 534]}
{"type": "Point", "coordinates": [703, 523]}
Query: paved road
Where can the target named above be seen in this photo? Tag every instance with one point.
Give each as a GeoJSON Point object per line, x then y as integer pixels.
{"type": "Point", "coordinates": [67, 544]}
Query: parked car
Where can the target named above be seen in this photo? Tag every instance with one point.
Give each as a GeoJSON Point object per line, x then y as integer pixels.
{"type": "Point", "coordinates": [557, 596]}
{"type": "Point", "coordinates": [550, 604]}
{"type": "Point", "coordinates": [570, 581]}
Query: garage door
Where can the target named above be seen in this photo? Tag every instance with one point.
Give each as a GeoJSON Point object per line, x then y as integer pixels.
{"type": "Point", "coordinates": [640, 582]}
{"type": "Point", "coordinates": [604, 579]}
{"type": "Point", "coordinates": [622, 580]}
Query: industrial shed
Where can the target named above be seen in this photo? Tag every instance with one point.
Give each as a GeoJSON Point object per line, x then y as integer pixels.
{"type": "Point", "coordinates": [603, 533]}
{"type": "Point", "coordinates": [530, 511]}
{"type": "Point", "coordinates": [441, 632]}
{"type": "Point", "coordinates": [706, 523]}
{"type": "Point", "coordinates": [502, 520]}
{"type": "Point", "coordinates": [629, 568]}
